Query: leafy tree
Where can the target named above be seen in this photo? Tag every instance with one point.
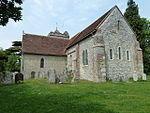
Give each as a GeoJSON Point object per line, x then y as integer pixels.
{"type": "Point", "coordinates": [16, 48]}
{"type": "Point", "coordinates": [10, 9]}
{"type": "Point", "coordinates": [146, 44]}
{"type": "Point", "coordinates": [133, 17]}
{"type": "Point", "coordinates": [13, 63]}
{"type": "Point", "coordinates": [141, 26]}
{"type": "Point", "coordinates": [3, 59]}
{"type": "Point", "coordinates": [10, 58]}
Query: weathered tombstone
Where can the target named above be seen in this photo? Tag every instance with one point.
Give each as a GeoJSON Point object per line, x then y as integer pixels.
{"type": "Point", "coordinates": [52, 76]}
{"type": "Point", "coordinates": [144, 76]}
{"type": "Point", "coordinates": [135, 77]}
{"type": "Point", "coordinates": [63, 77]}
{"type": "Point", "coordinates": [18, 78]}
{"type": "Point", "coordinates": [57, 78]}
{"type": "Point", "coordinates": [8, 78]}
{"type": "Point", "coordinates": [32, 74]}
{"type": "Point", "coordinates": [41, 74]}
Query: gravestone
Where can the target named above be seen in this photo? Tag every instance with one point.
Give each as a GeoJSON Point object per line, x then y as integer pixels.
{"type": "Point", "coordinates": [144, 76]}
{"type": "Point", "coordinates": [52, 76]}
{"type": "Point", "coordinates": [32, 74]}
{"type": "Point", "coordinates": [135, 77]}
{"type": "Point", "coordinates": [6, 78]}
{"type": "Point", "coordinates": [19, 78]}
{"type": "Point", "coordinates": [63, 77]}
{"type": "Point", "coordinates": [41, 74]}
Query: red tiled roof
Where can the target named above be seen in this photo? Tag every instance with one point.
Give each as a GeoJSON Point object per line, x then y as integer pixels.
{"type": "Point", "coordinates": [36, 44]}
{"type": "Point", "coordinates": [90, 29]}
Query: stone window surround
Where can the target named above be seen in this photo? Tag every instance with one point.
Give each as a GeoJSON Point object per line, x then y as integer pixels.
{"type": "Point", "coordinates": [111, 57]}
{"type": "Point", "coordinates": [128, 55]}
{"type": "Point", "coordinates": [119, 53]}
{"type": "Point", "coordinates": [42, 63]}
{"type": "Point", "coordinates": [85, 57]}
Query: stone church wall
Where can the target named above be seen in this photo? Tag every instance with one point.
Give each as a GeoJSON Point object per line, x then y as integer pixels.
{"type": "Point", "coordinates": [31, 65]}
{"type": "Point", "coordinates": [116, 33]}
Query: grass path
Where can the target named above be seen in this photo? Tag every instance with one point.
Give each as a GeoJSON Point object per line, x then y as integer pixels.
{"type": "Point", "coordinates": [37, 96]}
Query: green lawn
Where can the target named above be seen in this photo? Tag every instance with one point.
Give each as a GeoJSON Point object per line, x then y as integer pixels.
{"type": "Point", "coordinates": [37, 96]}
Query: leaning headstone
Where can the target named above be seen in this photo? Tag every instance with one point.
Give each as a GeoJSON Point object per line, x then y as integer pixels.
{"type": "Point", "coordinates": [8, 78]}
{"type": "Point", "coordinates": [135, 77]}
{"type": "Point", "coordinates": [144, 76]}
{"type": "Point", "coordinates": [51, 76]}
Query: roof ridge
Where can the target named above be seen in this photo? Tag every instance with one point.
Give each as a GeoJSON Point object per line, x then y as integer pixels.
{"type": "Point", "coordinates": [90, 29]}
{"type": "Point", "coordinates": [54, 37]}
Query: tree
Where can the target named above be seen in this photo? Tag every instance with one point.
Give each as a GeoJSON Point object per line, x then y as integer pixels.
{"type": "Point", "coordinates": [13, 63]}
{"type": "Point", "coordinates": [146, 44]}
{"type": "Point", "coordinates": [133, 17]}
{"type": "Point", "coordinates": [10, 9]}
{"type": "Point", "coordinates": [3, 59]}
{"type": "Point", "coordinates": [141, 26]}
{"type": "Point", "coordinates": [10, 58]}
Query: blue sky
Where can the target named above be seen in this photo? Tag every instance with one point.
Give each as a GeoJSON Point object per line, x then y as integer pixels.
{"type": "Point", "coordinates": [40, 16]}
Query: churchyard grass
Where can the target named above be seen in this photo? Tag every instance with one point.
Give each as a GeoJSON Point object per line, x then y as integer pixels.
{"type": "Point", "coordinates": [37, 96]}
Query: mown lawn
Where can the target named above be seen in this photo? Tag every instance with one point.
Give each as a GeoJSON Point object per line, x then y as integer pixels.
{"type": "Point", "coordinates": [37, 96]}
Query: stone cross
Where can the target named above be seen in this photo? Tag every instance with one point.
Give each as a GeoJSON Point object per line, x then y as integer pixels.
{"type": "Point", "coordinates": [51, 76]}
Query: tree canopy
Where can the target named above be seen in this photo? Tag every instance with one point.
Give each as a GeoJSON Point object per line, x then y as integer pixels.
{"type": "Point", "coordinates": [141, 27]}
{"type": "Point", "coordinates": [10, 9]}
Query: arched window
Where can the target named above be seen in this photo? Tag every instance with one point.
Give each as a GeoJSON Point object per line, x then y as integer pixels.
{"type": "Point", "coordinates": [119, 50]}
{"type": "Point", "coordinates": [118, 24]}
{"type": "Point", "coordinates": [42, 63]}
{"type": "Point", "coordinates": [85, 57]}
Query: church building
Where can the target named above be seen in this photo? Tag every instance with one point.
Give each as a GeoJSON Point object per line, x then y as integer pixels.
{"type": "Point", "coordinates": [105, 50]}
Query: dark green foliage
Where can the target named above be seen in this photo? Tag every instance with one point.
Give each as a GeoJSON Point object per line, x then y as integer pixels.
{"type": "Point", "coordinates": [10, 58]}
{"type": "Point", "coordinates": [133, 17]}
{"type": "Point", "coordinates": [16, 43]}
{"type": "Point", "coordinates": [3, 58]}
{"type": "Point", "coordinates": [9, 9]}
{"type": "Point", "coordinates": [13, 63]}
{"type": "Point", "coordinates": [141, 27]}
{"type": "Point", "coordinates": [145, 43]}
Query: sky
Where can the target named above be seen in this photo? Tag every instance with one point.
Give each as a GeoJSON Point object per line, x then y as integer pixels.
{"type": "Point", "coordinates": [42, 16]}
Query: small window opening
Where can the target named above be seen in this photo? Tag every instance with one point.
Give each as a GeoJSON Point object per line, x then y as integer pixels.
{"type": "Point", "coordinates": [85, 57]}
{"type": "Point", "coordinates": [118, 24]}
{"type": "Point", "coordinates": [42, 63]}
{"type": "Point", "coordinates": [119, 49]}
{"type": "Point", "coordinates": [128, 55]}
{"type": "Point", "coordinates": [111, 57]}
